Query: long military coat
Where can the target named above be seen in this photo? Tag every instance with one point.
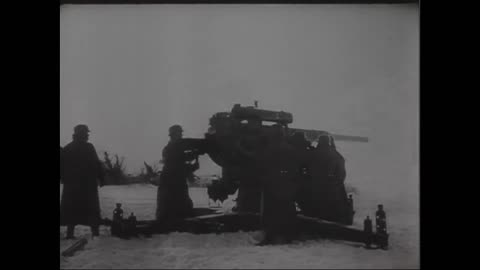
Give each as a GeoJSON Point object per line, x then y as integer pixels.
{"type": "Point", "coordinates": [281, 165]}
{"type": "Point", "coordinates": [327, 197]}
{"type": "Point", "coordinates": [173, 199]}
{"type": "Point", "coordinates": [80, 170]}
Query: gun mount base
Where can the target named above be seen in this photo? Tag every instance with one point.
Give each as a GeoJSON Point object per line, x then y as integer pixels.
{"type": "Point", "coordinates": [207, 220]}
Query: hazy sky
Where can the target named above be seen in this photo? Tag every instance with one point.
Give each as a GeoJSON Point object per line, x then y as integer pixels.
{"type": "Point", "coordinates": [130, 72]}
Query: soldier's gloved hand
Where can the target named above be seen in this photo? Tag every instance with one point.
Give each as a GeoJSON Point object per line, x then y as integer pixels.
{"type": "Point", "coordinates": [190, 155]}
{"type": "Point", "coordinates": [196, 164]}
{"type": "Point", "coordinates": [192, 167]}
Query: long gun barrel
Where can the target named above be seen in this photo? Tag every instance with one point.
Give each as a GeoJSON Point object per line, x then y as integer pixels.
{"type": "Point", "coordinates": [312, 135]}
{"type": "Point", "coordinates": [262, 115]}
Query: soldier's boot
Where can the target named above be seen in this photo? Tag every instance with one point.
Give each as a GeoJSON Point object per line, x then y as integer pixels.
{"type": "Point", "coordinates": [267, 239]}
{"type": "Point", "coordinates": [70, 232]}
{"type": "Point", "coordinates": [283, 237]}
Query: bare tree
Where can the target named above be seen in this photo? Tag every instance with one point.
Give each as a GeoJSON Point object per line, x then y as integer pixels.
{"type": "Point", "coordinates": [152, 173]}
{"type": "Point", "coordinates": [114, 171]}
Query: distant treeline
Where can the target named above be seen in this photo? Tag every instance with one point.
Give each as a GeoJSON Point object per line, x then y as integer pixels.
{"type": "Point", "coordinates": [115, 173]}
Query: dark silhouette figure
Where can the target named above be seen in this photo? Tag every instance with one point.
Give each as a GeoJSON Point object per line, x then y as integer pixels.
{"type": "Point", "coordinates": [318, 197]}
{"type": "Point", "coordinates": [323, 193]}
{"type": "Point", "coordinates": [298, 140]}
{"type": "Point", "coordinates": [368, 230]}
{"type": "Point", "coordinates": [338, 166]}
{"type": "Point", "coordinates": [326, 197]}
{"type": "Point", "coordinates": [118, 212]}
{"type": "Point", "coordinates": [173, 200]}
{"type": "Point", "coordinates": [117, 223]}
{"type": "Point", "coordinates": [337, 176]}
{"type": "Point", "coordinates": [280, 161]}
{"type": "Point", "coordinates": [381, 227]}
{"type": "Point", "coordinates": [304, 179]}
{"type": "Point", "coordinates": [80, 169]}
{"type": "Point", "coordinates": [131, 225]}
{"type": "Point", "coordinates": [381, 220]}
{"type": "Point", "coordinates": [351, 208]}
{"type": "Point", "coordinates": [249, 190]}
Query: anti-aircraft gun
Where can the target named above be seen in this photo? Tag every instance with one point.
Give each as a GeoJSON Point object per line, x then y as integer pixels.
{"type": "Point", "coordinates": [249, 127]}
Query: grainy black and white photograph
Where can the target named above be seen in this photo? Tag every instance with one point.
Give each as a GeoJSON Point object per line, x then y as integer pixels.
{"type": "Point", "coordinates": [239, 136]}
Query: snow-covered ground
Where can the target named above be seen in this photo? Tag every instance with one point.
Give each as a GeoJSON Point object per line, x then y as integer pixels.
{"type": "Point", "coordinates": [237, 250]}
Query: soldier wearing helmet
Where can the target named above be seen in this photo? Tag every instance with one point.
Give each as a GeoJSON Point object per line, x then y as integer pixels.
{"type": "Point", "coordinates": [328, 198]}
{"type": "Point", "coordinates": [280, 162]}
{"type": "Point", "coordinates": [173, 200]}
{"type": "Point", "coordinates": [80, 169]}
{"type": "Point", "coordinates": [175, 132]}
